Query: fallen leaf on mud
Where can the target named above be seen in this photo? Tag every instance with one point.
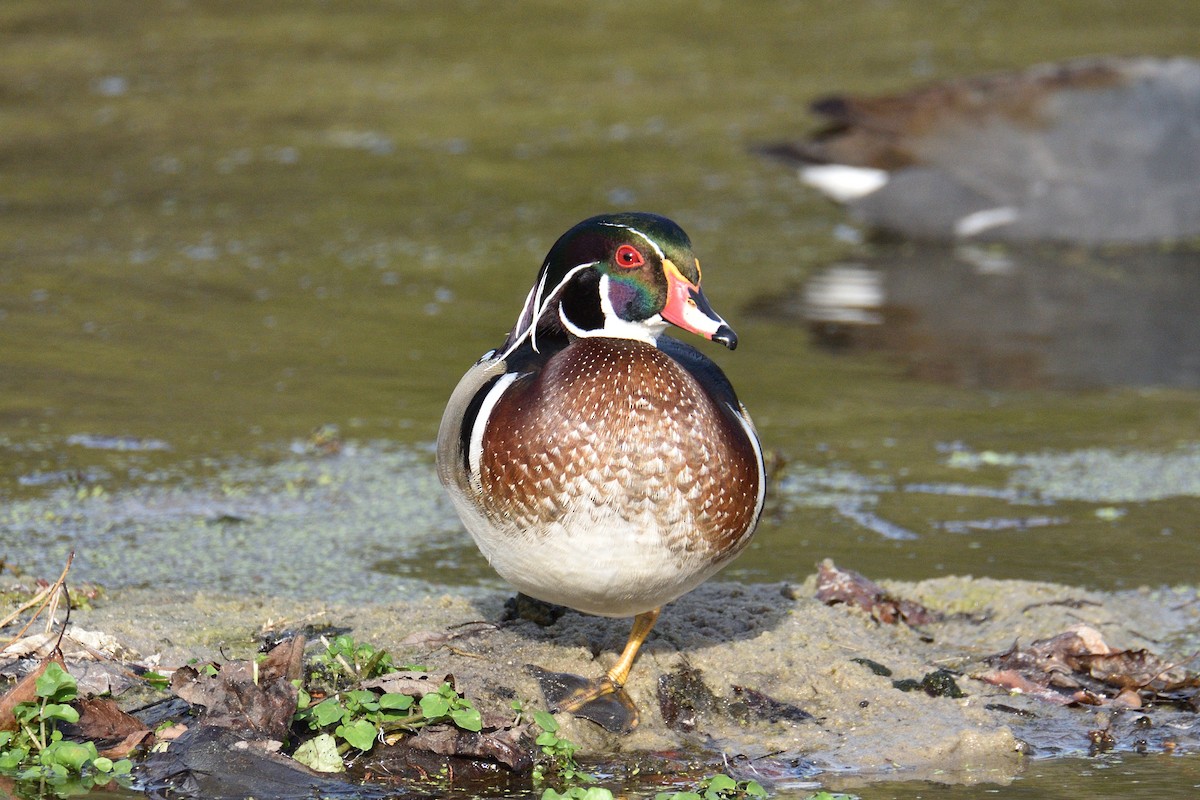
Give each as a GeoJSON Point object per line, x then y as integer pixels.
{"type": "Point", "coordinates": [508, 746]}
{"type": "Point", "coordinates": [171, 732]}
{"type": "Point", "coordinates": [24, 691]}
{"type": "Point", "coordinates": [432, 640]}
{"type": "Point", "coordinates": [412, 683]}
{"type": "Point", "coordinates": [1128, 698]}
{"type": "Point", "coordinates": [128, 745]}
{"type": "Point", "coordinates": [98, 662]}
{"type": "Point", "coordinates": [1015, 681]}
{"type": "Point", "coordinates": [92, 677]}
{"type": "Point", "coordinates": [837, 585]}
{"type": "Point", "coordinates": [499, 749]}
{"type": "Point", "coordinates": [115, 733]}
{"type": "Point", "coordinates": [76, 643]}
{"type": "Point", "coordinates": [245, 696]}
{"type": "Point", "coordinates": [1132, 669]}
{"type": "Point", "coordinates": [1077, 666]}
{"type": "Point", "coordinates": [285, 661]}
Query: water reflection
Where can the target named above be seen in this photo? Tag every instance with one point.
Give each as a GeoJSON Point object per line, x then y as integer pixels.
{"type": "Point", "coordinates": [1012, 319]}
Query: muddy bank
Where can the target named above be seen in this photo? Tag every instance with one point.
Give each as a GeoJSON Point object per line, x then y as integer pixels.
{"type": "Point", "coordinates": [765, 675]}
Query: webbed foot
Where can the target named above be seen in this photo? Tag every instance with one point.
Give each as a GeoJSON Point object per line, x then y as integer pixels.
{"type": "Point", "coordinates": [601, 701]}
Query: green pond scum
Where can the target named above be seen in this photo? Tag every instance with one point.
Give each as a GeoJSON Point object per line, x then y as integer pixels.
{"type": "Point", "coordinates": [224, 226]}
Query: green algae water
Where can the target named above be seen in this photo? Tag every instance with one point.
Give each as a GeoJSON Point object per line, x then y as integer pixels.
{"type": "Point", "coordinates": [224, 226]}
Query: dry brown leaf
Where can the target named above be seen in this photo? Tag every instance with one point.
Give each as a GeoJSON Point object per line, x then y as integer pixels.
{"type": "Point", "coordinates": [412, 683]}
{"type": "Point", "coordinates": [837, 585]}
{"type": "Point", "coordinates": [24, 691]}
{"type": "Point", "coordinates": [132, 742]}
{"type": "Point", "coordinates": [242, 696]}
{"type": "Point", "coordinates": [285, 661]}
{"type": "Point", "coordinates": [103, 722]}
{"type": "Point", "coordinates": [1078, 666]}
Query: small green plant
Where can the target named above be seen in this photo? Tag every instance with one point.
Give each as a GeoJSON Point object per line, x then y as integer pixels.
{"type": "Point", "coordinates": [157, 680]}
{"type": "Point", "coordinates": [559, 755]}
{"type": "Point", "coordinates": [718, 787]}
{"type": "Point", "coordinates": [359, 717]}
{"type": "Point", "coordinates": [447, 704]}
{"type": "Point", "coordinates": [37, 749]}
{"type": "Point", "coordinates": [354, 717]}
{"type": "Point", "coordinates": [579, 793]}
{"type": "Point", "coordinates": [352, 660]}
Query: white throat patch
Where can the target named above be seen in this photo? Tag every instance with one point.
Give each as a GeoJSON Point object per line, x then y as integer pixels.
{"type": "Point", "coordinates": [647, 330]}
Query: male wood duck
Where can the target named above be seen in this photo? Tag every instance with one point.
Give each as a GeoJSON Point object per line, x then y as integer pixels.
{"type": "Point", "coordinates": [598, 463]}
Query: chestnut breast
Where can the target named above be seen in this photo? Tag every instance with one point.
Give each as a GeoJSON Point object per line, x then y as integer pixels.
{"type": "Point", "coordinates": [619, 423]}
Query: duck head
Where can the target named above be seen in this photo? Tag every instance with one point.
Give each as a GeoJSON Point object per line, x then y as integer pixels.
{"type": "Point", "coordinates": [625, 275]}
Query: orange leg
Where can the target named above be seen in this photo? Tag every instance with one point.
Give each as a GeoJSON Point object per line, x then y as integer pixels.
{"type": "Point", "coordinates": [642, 625]}
{"type": "Point", "coordinates": [615, 678]}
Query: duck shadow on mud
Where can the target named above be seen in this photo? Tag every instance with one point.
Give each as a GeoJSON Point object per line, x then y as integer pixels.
{"type": "Point", "coordinates": [708, 619]}
{"type": "Point", "coordinates": [691, 621]}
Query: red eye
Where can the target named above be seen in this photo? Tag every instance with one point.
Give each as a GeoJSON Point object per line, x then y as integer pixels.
{"type": "Point", "coordinates": [629, 257]}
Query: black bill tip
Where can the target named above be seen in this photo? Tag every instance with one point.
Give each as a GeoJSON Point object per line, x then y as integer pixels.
{"type": "Point", "coordinates": [726, 336]}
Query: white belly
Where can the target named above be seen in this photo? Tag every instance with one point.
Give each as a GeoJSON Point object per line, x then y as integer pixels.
{"type": "Point", "coordinates": [592, 560]}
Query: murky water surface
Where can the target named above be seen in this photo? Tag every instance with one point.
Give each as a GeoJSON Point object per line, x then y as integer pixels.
{"type": "Point", "coordinates": [1102, 778]}
{"type": "Point", "coordinates": [225, 225]}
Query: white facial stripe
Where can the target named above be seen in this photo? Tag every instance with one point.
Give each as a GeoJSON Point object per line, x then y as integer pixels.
{"type": "Point", "coordinates": [648, 240]}
{"type": "Point", "coordinates": [528, 315]}
{"type": "Point", "coordinates": [527, 308]}
{"type": "Point", "coordinates": [537, 309]}
{"type": "Point", "coordinates": [539, 297]}
{"type": "Point", "coordinates": [475, 451]}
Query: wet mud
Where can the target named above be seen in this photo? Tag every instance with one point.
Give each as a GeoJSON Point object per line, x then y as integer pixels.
{"type": "Point", "coordinates": [762, 681]}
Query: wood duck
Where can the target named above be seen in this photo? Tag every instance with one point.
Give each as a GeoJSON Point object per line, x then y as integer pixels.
{"type": "Point", "coordinates": [598, 463]}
